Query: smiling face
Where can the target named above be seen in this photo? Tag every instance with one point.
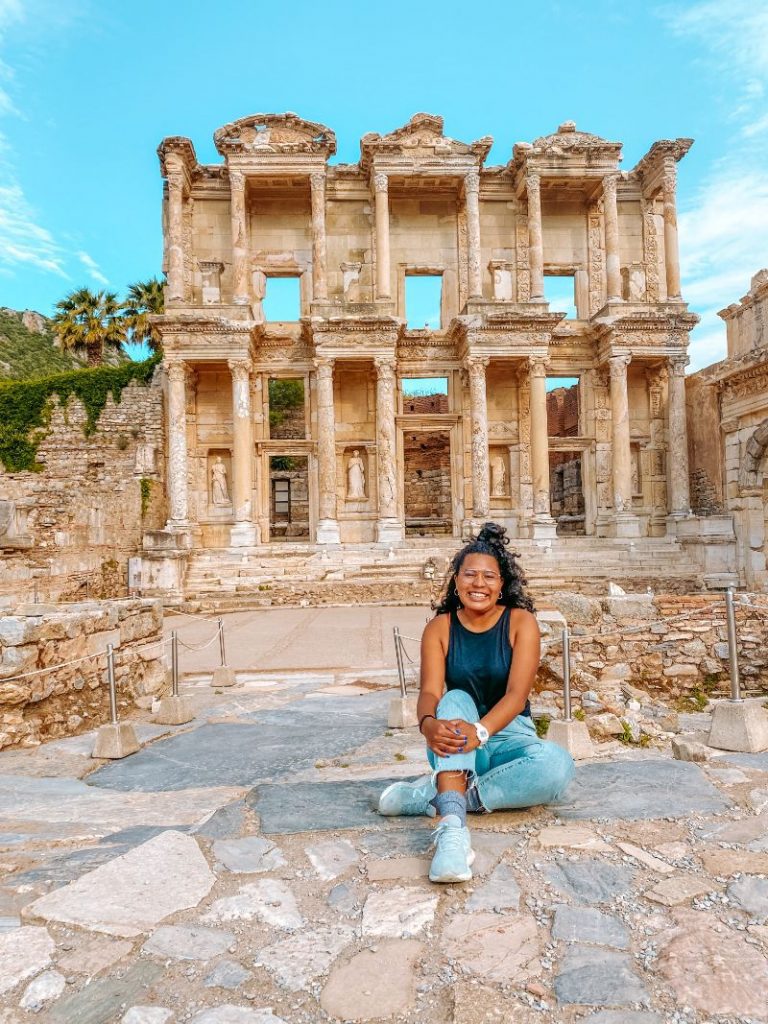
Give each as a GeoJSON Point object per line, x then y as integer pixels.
{"type": "Point", "coordinates": [478, 583]}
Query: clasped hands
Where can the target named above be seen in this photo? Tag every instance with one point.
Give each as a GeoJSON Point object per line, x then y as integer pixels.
{"type": "Point", "coordinates": [447, 736]}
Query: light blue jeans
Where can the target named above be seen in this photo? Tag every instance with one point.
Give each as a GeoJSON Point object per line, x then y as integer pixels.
{"type": "Point", "coordinates": [514, 769]}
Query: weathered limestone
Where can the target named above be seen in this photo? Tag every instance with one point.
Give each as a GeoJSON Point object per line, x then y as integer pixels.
{"type": "Point", "coordinates": [740, 726]}
{"type": "Point", "coordinates": [327, 527]}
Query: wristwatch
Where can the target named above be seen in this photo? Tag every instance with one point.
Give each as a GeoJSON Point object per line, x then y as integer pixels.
{"type": "Point", "coordinates": [482, 734]}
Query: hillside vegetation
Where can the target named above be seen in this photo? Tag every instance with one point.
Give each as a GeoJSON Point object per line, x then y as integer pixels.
{"type": "Point", "coordinates": [26, 354]}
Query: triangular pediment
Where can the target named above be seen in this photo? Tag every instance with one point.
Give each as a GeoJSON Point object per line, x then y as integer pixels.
{"type": "Point", "coordinates": [274, 133]}
{"type": "Point", "coordinates": [421, 138]}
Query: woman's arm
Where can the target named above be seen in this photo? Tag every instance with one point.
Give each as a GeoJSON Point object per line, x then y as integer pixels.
{"type": "Point", "coordinates": [441, 737]}
{"type": "Point", "coordinates": [525, 638]}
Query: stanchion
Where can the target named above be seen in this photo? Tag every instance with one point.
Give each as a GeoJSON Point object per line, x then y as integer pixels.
{"type": "Point", "coordinates": [736, 723]}
{"type": "Point", "coordinates": [570, 734]}
{"type": "Point", "coordinates": [223, 675]}
{"type": "Point", "coordinates": [174, 709]}
{"type": "Point", "coordinates": [402, 709]}
{"type": "Point", "coordinates": [116, 739]}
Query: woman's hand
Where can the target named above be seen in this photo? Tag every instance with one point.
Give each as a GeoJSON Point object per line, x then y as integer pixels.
{"type": "Point", "coordinates": [449, 736]}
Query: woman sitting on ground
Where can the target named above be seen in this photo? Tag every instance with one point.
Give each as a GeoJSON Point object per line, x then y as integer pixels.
{"type": "Point", "coordinates": [479, 657]}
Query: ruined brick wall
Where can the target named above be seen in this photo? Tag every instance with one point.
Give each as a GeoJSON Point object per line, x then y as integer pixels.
{"type": "Point", "coordinates": [65, 701]}
{"type": "Point", "coordinates": [427, 475]}
{"type": "Point", "coordinates": [563, 412]}
{"type": "Point", "coordinates": [83, 516]}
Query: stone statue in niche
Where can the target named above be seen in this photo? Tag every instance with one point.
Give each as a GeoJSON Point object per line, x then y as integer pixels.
{"type": "Point", "coordinates": [356, 477]}
{"type": "Point", "coordinates": [498, 476]}
{"type": "Point", "coordinates": [219, 485]}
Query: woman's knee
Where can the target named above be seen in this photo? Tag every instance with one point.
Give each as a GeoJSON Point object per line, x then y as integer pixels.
{"type": "Point", "coordinates": [558, 768]}
{"type": "Point", "coordinates": [457, 704]}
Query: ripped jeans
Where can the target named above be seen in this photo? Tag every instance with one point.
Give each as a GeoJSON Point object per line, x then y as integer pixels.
{"type": "Point", "coordinates": [514, 769]}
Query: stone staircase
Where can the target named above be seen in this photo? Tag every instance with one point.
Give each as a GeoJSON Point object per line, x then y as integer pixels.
{"type": "Point", "coordinates": [298, 574]}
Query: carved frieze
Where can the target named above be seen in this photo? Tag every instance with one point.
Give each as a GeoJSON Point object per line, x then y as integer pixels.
{"type": "Point", "coordinates": [274, 133]}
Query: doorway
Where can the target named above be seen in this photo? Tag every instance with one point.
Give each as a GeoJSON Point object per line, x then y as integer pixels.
{"type": "Point", "coordinates": [566, 493]}
{"type": "Point", "coordinates": [427, 483]}
{"type": "Point", "coordinates": [289, 498]}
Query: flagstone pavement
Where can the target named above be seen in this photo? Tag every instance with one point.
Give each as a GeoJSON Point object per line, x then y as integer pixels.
{"type": "Point", "coordinates": [234, 870]}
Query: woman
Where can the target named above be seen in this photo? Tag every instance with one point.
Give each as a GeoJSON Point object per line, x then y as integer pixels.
{"type": "Point", "coordinates": [482, 648]}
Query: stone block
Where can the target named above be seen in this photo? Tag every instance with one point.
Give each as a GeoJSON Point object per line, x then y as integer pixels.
{"type": "Point", "coordinates": [572, 736]}
{"type": "Point", "coordinates": [174, 711]}
{"type": "Point", "coordinates": [223, 676]}
{"type": "Point", "coordinates": [740, 726]}
{"type": "Point", "coordinates": [689, 748]}
{"type": "Point", "coordinates": [630, 606]}
{"type": "Point", "coordinates": [402, 712]}
{"type": "Point", "coordinates": [115, 741]}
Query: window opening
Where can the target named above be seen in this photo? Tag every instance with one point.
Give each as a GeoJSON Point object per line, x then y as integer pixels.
{"type": "Point", "coordinates": [424, 394]}
{"type": "Point", "coordinates": [286, 408]}
{"type": "Point", "coordinates": [560, 293]}
{"type": "Point", "coordinates": [563, 406]}
{"type": "Point", "coordinates": [282, 300]}
{"type": "Point", "coordinates": [423, 298]}
{"type": "Point", "coordinates": [289, 512]}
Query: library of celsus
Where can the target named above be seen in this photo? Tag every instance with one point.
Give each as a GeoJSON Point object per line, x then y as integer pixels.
{"type": "Point", "coordinates": [344, 421]}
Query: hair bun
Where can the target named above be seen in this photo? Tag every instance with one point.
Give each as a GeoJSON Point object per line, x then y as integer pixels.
{"type": "Point", "coordinates": [493, 533]}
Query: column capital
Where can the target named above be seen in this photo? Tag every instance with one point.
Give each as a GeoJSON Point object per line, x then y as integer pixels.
{"type": "Point", "coordinates": [176, 369]}
{"type": "Point", "coordinates": [472, 181]}
{"type": "Point", "coordinates": [380, 182]}
{"type": "Point", "coordinates": [618, 365]}
{"type": "Point", "coordinates": [610, 182]}
{"type": "Point", "coordinates": [176, 178]}
{"type": "Point", "coordinates": [236, 181]}
{"type": "Point", "coordinates": [385, 366]}
{"type": "Point", "coordinates": [475, 363]}
{"type": "Point", "coordinates": [324, 366]}
{"type": "Point", "coordinates": [677, 365]}
{"type": "Point", "coordinates": [533, 184]}
{"type": "Point", "coordinates": [317, 180]}
{"type": "Point", "coordinates": [538, 366]}
{"type": "Point", "coordinates": [669, 180]}
{"type": "Point", "coordinates": [240, 369]}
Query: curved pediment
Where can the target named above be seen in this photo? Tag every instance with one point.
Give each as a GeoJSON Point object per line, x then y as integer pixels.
{"type": "Point", "coordinates": [421, 138]}
{"type": "Point", "coordinates": [274, 133]}
{"type": "Point", "coordinates": [567, 141]}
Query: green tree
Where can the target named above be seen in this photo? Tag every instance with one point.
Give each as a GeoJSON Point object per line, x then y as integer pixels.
{"type": "Point", "coordinates": [91, 322]}
{"type": "Point", "coordinates": [144, 298]}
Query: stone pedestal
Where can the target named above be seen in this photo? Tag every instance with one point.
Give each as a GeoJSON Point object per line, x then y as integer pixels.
{"type": "Point", "coordinates": [328, 531]}
{"type": "Point", "coordinates": [572, 736]}
{"type": "Point", "coordinates": [174, 711]}
{"type": "Point", "coordinates": [739, 725]}
{"type": "Point", "coordinates": [116, 740]}
{"type": "Point", "coordinates": [223, 676]}
{"type": "Point", "coordinates": [543, 528]}
{"type": "Point", "coordinates": [402, 712]}
{"type": "Point", "coordinates": [243, 535]}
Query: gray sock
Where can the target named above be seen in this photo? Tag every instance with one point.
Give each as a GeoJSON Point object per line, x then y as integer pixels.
{"type": "Point", "coordinates": [451, 803]}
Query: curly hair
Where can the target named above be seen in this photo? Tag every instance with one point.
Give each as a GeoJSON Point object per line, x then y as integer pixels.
{"type": "Point", "coordinates": [491, 540]}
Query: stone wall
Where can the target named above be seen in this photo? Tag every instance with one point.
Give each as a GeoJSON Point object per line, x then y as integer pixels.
{"type": "Point", "coordinates": [671, 646]}
{"type": "Point", "coordinates": [74, 698]}
{"type": "Point", "coordinates": [83, 516]}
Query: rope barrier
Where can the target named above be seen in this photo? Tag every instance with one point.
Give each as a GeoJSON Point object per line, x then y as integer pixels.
{"type": "Point", "coordinates": [53, 668]}
{"type": "Point", "coordinates": [201, 647]}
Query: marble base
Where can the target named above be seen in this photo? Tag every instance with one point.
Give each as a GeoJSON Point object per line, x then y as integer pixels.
{"type": "Point", "coordinates": [389, 531]}
{"type": "Point", "coordinates": [328, 532]}
{"type": "Point", "coordinates": [243, 535]}
{"type": "Point", "coordinates": [542, 528]}
{"type": "Point", "coordinates": [623, 524]}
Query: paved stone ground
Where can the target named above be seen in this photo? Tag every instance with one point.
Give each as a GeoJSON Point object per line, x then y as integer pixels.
{"type": "Point", "coordinates": [234, 871]}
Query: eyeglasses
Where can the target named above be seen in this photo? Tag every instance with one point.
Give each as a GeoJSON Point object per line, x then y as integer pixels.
{"type": "Point", "coordinates": [472, 574]}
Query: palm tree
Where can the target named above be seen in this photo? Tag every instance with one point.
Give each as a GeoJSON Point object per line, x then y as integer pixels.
{"type": "Point", "coordinates": [144, 297]}
{"type": "Point", "coordinates": [92, 321]}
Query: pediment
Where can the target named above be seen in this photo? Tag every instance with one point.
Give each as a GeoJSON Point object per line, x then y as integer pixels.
{"type": "Point", "coordinates": [421, 138]}
{"type": "Point", "coordinates": [568, 141]}
{"type": "Point", "coordinates": [274, 133]}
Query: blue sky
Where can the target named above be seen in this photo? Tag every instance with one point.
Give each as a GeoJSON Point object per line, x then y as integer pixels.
{"type": "Point", "coordinates": [88, 90]}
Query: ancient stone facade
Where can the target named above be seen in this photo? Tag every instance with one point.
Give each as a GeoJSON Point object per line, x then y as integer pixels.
{"type": "Point", "coordinates": [728, 416]}
{"type": "Point", "coordinates": [352, 236]}
{"type": "Point", "coordinates": [69, 530]}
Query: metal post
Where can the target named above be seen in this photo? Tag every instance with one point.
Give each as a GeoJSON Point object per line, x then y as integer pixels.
{"type": "Point", "coordinates": [112, 687]}
{"type": "Point", "coordinates": [221, 643]}
{"type": "Point", "coordinates": [567, 673]}
{"type": "Point", "coordinates": [399, 658]}
{"type": "Point", "coordinates": [733, 655]}
{"type": "Point", "coordinates": [174, 664]}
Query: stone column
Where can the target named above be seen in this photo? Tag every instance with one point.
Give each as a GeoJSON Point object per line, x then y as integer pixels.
{"type": "Point", "coordinates": [478, 405]}
{"type": "Point", "coordinates": [389, 528]}
{"type": "Point", "coordinates": [543, 525]}
{"type": "Point", "coordinates": [319, 259]}
{"type": "Point", "coordinates": [612, 267]}
{"type": "Point", "coordinates": [381, 194]}
{"type": "Point", "coordinates": [679, 486]}
{"type": "Point", "coordinates": [625, 523]}
{"type": "Point", "coordinates": [327, 526]}
{"type": "Point", "coordinates": [535, 239]}
{"type": "Point", "coordinates": [244, 532]}
{"type": "Point", "coordinates": [177, 443]}
{"type": "Point", "coordinates": [472, 202]}
{"type": "Point", "coordinates": [240, 292]}
{"type": "Point", "coordinates": [671, 253]}
{"type": "Point", "coordinates": [176, 291]}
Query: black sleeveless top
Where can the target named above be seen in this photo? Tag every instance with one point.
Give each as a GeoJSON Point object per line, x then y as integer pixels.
{"type": "Point", "coordinates": [479, 663]}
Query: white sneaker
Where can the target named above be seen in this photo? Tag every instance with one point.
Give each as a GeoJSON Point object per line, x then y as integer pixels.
{"type": "Point", "coordinates": [409, 798]}
{"type": "Point", "coordinates": [454, 855]}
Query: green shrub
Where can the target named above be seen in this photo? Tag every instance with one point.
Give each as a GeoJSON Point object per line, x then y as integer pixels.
{"type": "Point", "coordinates": [542, 726]}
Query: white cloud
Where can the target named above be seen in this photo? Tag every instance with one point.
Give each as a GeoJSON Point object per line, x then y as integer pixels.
{"type": "Point", "coordinates": [22, 240]}
{"type": "Point", "coordinates": [92, 267]}
{"type": "Point", "coordinates": [735, 31]}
